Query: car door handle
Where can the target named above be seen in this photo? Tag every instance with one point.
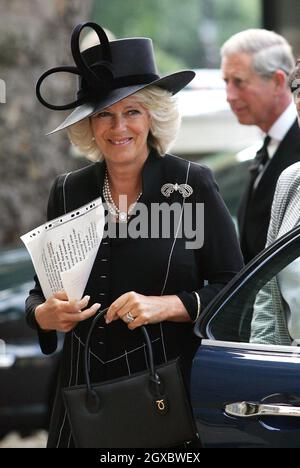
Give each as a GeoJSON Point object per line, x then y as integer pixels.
{"type": "Point", "coordinates": [245, 409]}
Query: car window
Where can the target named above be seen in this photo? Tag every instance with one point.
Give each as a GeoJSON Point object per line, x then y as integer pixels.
{"type": "Point", "coordinates": [259, 304]}
{"type": "Point", "coordinates": [16, 279]}
{"type": "Point", "coordinates": [15, 268]}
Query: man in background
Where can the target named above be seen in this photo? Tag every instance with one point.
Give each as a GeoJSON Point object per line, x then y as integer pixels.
{"type": "Point", "coordinates": [256, 65]}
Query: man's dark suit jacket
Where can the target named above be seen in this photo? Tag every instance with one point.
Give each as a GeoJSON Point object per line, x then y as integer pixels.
{"type": "Point", "coordinates": [255, 208]}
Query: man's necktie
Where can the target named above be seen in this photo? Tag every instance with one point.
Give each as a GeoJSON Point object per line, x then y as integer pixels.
{"type": "Point", "coordinates": [260, 159]}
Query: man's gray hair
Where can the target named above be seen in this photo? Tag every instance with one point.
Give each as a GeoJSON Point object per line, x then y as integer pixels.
{"type": "Point", "coordinates": [270, 51]}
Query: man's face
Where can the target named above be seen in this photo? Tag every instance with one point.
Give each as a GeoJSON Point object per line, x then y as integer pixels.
{"type": "Point", "coordinates": [251, 97]}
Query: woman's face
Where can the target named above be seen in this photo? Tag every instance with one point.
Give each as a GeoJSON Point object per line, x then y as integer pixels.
{"type": "Point", "coordinates": [121, 131]}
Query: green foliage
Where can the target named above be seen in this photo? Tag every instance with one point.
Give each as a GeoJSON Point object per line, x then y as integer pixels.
{"type": "Point", "coordinates": [233, 16]}
{"type": "Point", "coordinates": [185, 33]}
{"type": "Point", "coordinates": [172, 27]}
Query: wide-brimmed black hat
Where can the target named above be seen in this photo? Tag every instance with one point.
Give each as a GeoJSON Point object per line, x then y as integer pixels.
{"type": "Point", "coordinates": [109, 72]}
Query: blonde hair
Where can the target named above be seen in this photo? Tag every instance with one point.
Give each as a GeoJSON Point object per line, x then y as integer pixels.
{"type": "Point", "coordinates": [164, 124]}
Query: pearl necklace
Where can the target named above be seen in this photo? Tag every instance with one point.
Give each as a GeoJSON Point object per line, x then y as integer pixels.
{"type": "Point", "coordinates": [122, 216]}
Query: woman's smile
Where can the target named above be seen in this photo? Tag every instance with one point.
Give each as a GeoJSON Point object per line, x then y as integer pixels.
{"type": "Point", "coordinates": [121, 131]}
{"type": "Point", "coordinates": [120, 142]}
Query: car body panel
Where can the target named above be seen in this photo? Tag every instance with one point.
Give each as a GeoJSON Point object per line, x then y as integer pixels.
{"type": "Point", "coordinates": [226, 373]}
{"type": "Point", "coordinates": [26, 389]}
{"type": "Point", "coordinates": [27, 376]}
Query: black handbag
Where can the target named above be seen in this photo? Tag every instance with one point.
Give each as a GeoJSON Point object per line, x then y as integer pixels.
{"type": "Point", "coordinates": [146, 409]}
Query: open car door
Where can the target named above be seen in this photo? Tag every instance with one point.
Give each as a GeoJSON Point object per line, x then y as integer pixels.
{"type": "Point", "coordinates": [247, 394]}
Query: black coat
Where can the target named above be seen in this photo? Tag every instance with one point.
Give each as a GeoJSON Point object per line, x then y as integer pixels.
{"type": "Point", "coordinates": [255, 208]}
{"type": "Point", "coordinates": [140, 265]}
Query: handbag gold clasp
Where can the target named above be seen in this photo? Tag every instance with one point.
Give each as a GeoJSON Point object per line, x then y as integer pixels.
{"type": "Point", "coordinates": [160, 405]}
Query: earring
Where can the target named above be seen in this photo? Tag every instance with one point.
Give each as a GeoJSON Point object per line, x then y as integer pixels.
{"type": "Point", "coordinates": [93, 139]}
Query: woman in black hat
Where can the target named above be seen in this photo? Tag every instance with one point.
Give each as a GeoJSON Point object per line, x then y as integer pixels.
{"type": "Point", "coordinates": [125, 118]}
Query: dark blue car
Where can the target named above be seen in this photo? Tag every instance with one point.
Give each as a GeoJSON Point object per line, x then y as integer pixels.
{"type": "Point", "coordinates": [246, 394]}
{"type": "Point", "coordinates": [27, 376]}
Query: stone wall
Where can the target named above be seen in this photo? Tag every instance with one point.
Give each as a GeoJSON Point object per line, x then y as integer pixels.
{"type": "Point", "coordinates": [34, 36]}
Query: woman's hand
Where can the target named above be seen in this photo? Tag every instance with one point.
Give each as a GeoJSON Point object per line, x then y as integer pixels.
{"type": "Point", "coordinates": [60, 314]}
{"type": "Point", "coordinates": [136, 309]}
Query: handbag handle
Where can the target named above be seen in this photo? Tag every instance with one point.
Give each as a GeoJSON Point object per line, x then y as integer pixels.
{"type": "Point", "coordinates": [92, 399]}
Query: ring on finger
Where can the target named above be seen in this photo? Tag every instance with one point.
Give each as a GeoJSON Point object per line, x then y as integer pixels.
{"type": "Point", "coordinates": [129, 317]}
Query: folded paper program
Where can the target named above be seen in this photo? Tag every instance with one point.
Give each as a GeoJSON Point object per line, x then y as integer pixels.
{"type": "Point", "coordinates": [64, 249]}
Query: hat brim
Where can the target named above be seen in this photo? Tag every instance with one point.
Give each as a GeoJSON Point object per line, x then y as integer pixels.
{"type": "Point", "coordinates": [172, 83]}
